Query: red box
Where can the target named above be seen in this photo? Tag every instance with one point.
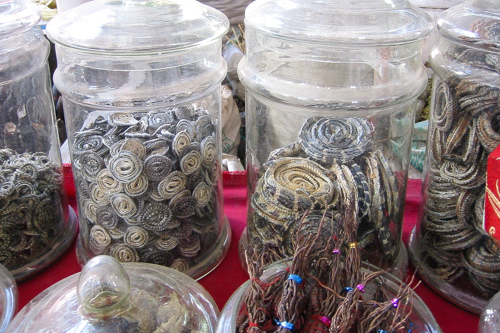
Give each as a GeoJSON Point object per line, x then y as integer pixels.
{"type": "Point", "coordinates": [491, 221]}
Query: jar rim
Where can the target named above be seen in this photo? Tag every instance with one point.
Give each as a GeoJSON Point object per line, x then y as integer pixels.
{"type": "Point", "coordinates": [16, 17]}
{"type": "Point", "coordinates": [135, 27]}
{"type": "Point", "coordinates": [340, 22]}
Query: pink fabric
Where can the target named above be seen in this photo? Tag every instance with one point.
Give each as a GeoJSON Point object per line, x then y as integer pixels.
{"type": "Point", "coordinates": [229, 275]}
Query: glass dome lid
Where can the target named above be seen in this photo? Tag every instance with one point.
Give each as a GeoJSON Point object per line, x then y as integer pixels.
{"type": "Point", "coordinates": [340, 21]}
{"type": "Point", "coordinates": [475, 23]}
{"type": "Point", "coordinates": [17, 16]}
{"type": "Point", "coordinates": [137, 26]}
{"type": "Point", "coordinates": [120, 298]}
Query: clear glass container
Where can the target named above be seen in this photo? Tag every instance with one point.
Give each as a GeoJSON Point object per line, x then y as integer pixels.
{"type": "Point", "coordinates": [434, 8]}
{"type": "Point", "coordinates": [421, 317]}
{"type": "Point", "coordinates": [37, 223]}
{"type": "Point", "coordinates": [331, 90]}
{"type": "Point", "coordinates": [111, 297]}
{"type": "Point", "coordinates": [453, 252]}
{"type": "Point", "coordinates": [8, 298]}
{"type": "Point", "coordinates": [489, 322]}
{"type": "Point", "coordinates": [142, 100]}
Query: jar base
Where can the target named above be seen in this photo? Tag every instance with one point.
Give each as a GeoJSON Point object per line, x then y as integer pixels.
{"type": "Point", "coordinates": [202, 268]}
{"type": "Point", "coordinates": [53, 252]}
{"type": "Point", "coordinates": [400, 263]}
{"type": "Point", "coordinates": [460, 297]}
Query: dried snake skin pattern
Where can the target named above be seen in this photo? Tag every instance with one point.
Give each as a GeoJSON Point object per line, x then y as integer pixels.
{"type": "Point", "coordinates": [147, 186]}
{"type": "Point", "coordinates": [25, 123]}
{"type": "Point", "coordinates": [302, 177]}
{"type": "Point", "coordinates": [465, 127]}
{"type": "Point", "coordinates": [30, 206]}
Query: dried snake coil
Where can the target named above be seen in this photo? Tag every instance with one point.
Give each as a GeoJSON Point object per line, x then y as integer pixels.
{"type": "Point", "coordinates": [330, 139]}
{"type": "Point", "coordinates": [290, 185]}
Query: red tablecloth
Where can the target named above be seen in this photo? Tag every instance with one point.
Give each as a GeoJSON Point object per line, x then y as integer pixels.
{"type": "Point", "coordinates": [229, 275]}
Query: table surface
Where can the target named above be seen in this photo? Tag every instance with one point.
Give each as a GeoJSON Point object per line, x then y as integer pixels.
{"type": "Point", "coordinates": [229, 275]}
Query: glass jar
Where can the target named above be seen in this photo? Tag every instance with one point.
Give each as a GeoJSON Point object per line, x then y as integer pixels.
{"type": "Point", "coordinates": [8, 298]}
{"type": "Point", "coordinates": [434, 8]}
{"type": "Point", "coordinates": [108, 297]}
{"type": "Point", "coordinates": [331, 90]}
{"type": "Point", "coordinates": [454, 253]}
{"type": "Point", "coordinates": [421, 317]}
{"type": "Point", "coordinates": [37, 223]}
{"type": "Point", "coordinates": [142, 100]}
{"type": "Point", "coordinates": [489, 322]}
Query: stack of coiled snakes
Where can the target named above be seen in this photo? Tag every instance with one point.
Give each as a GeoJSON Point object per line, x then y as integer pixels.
{"type": "Point", "coordinates": [464, 132]}
{"type": "Point", "coordinates": [302, 177]}
{"type": "Point", "coordinates": [147, 186]}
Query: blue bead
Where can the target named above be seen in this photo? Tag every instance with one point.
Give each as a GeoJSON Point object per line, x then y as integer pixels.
{"type": "Point", "coordinates": [287, 325]}
{"type": "Point", "coordinates": [295, 278]}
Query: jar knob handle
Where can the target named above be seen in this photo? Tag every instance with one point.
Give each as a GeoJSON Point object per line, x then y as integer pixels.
{"type": "Point", "coordinates": [103, 286]}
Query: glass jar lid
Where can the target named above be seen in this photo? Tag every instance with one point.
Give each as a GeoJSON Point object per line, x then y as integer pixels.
{"type": "Point", "coordinates": [8, 298]}
{"type": "Point", "coordinates": [340, 21]}
{"type": "Point", "coordinates": [17, 16]}
{"type": "Point", "coordinates": [475, 23]}
{"type": "Point", "coordinates": [137, 26]}
{"type": "Point", "coordinates": [111, 297]}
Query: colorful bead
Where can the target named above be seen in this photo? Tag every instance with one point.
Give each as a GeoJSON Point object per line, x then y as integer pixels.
{"type": "Point", "coordinates": [287, 325]}
{"type": "Point", "coordinates": [395, 302]}
{"type": "Point", "coordinates": [295, 278]}
{"type": "Point", "coordinates": [347, 289]}
{"type": "Point", "coordinates": [325, 320]}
